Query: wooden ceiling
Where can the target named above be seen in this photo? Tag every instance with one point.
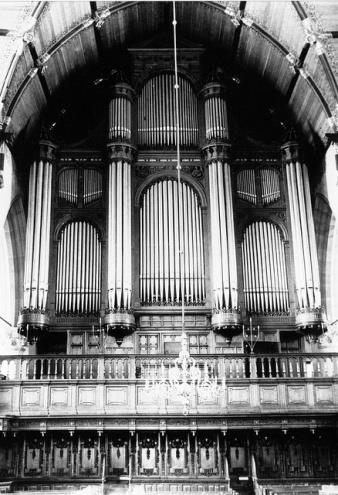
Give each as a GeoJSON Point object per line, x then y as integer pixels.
{"type": "Point", "coordinates": [279, 41]}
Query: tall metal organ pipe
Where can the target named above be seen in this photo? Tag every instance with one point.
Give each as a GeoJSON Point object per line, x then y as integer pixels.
{"type": "Point", "coordinates": [160, 279]}
{"type": "Point", "coordinates": [38, 238]}
{"type": "Point", "coordinates": [156, 113]}
{"type": "Point", "coordinates": [303, 238]}
{"type": "Point", "coordinates": [224, 272]}
{"type": "Point", "coordinates": [264, 269]}
{"type": "Point", "coordinates": [121, 155]}
{"type": "Point", "coordinates": [78, 279]}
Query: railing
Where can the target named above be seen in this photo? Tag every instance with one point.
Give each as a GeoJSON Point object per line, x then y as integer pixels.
{"type": "Point", "coordinates": [131, 367]}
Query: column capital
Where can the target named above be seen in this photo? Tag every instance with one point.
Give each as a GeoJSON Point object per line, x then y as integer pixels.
{"type": "Point", "coordinates": [212, 89]}
{"type": "Point", "coordinates": [291, 152]}
{"type": "Point", "coordinates": [122, 89]}
{"type": "Point", "coordinates": [121, 151]}
{"type": "Point", "coordinates": [47, 150]}
{"type": "Point", "coordinates": [216, 151]}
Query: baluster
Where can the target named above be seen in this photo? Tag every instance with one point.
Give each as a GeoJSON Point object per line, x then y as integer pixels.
{"type": "Point", "coordinates": [91, 368]}
{"type": "Point", "coordinates": [328, 367]}
{"type": "Point", "coordinates": [77, 369]}
{"type": "Point", "coordinates": [283, 368]}
{"type": "Point", "coordinates": [298, 374]}
{"type": "Point", "coordinates": [48, 369]}
{"type": "Point", "coordinates": [290, 368]}
{"type": "Point", "coordinates": [70, 368]}
{"type": "Point", "coordinates": [269, 367]}
{"type": "Point", "coordinates": [34, 369]}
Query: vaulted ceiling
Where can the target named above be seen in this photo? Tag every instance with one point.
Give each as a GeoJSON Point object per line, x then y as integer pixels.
{"type": "Point", "coordinates": [280, 42]}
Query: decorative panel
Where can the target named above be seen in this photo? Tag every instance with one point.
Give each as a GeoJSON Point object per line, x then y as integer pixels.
{"type": "Point", "coordinates": [59, 396]}
{"type": "Point", "coordinates": [238, 395]}
{"type": "Point", "coordinates": [324, 393]}
{"type": "Point", "coordinates": [296, 394]}
{"type": "Point", "coordinates": [148, 455]}
{"type": "Point", "coordinates": [31, 396]}
{"type": "Point", "coordinates": [87, 396]}
{"type": "Point", "coordinates": [6, 397]}
{"type": "Point", "coordinates": [117, 396]}
{"type": "Point", "coordinates": [268, 395]}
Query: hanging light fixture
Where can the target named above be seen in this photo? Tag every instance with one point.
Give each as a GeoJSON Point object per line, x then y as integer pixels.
{"type": "Point", "coordinates": [183, 379]}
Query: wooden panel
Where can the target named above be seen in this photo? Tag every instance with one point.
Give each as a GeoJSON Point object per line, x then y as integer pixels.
{"type": "Point", "coordinates": [31, 397]}
{"type": "Point", "coordinates": [281, 20]}
{"type": "Point", "coordinates": [264, 58]}
{"type": "Point", "coordinates": [268, 395]}
{"type": "Point", "coordinates": [87, 396]}
{"type": "Point", "coordinates": [24, 65]}
{"type": "Point", "coordinates": [324, 393]}
{"type": "Point", "coordinates": [117, 396]}
{"type": "Point", "coordinates": [238, 395]}
{"type": "Point", "coordinates": [296, 394]}
{"type": "Point", "coordinates": [206, 23]}
{"type": "Point", "coordinates": [56, 19]}
{"type": "Point", "coordinates": [307, 109]}
{"type": "Point", "coordinates": [28, 108]}
{"type": "Point", "coordinates": [77, 52]}
{"type": "Point", "coordinates": [313, 65]}
{"type": "Point", "coordinates": [59, 396]}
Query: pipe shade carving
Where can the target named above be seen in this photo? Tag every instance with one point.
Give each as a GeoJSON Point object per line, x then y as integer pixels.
{"type": "Point", "coordinates": [156, 113]}
{"type": "Point", "coordinates": [78, 284]}
{"type": "Point", "coordinates": [264, 269]}
{"type": "Point", "coordinates": [160, 278]}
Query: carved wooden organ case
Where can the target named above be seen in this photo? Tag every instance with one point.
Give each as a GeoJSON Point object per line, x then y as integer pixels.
{"type": "Point", "coordinates": [104, 228]}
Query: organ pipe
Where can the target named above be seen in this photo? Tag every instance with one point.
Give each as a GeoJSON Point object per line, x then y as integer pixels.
{"type": "Point", "coordinates": [264, 269]}
{"type": "Point", "coordinates": [302, 228]}
{"type": "Point", "coordinates": [156, 113]}
{"type": "Point", "coordinates": [160, 278]}
{"type": "Point", "coordinates": [119, 202]}
{"type": "Point", "coordinates": [78, 284]}
{"type": "Point", "coordinates": [38, 230]}
{"type": "Point", "coordinates": [269, 185]}
{"type": "Point", "coordinates": [224, 273]}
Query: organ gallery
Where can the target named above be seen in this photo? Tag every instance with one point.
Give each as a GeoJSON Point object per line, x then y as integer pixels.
{"type": "Point", "coordinates": [168, 208]}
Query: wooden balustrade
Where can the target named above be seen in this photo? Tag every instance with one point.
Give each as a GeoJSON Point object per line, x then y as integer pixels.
{"type": "Point", "coordinates": [130, 367]}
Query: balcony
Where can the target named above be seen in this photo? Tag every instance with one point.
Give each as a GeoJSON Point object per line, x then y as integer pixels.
{"type": "Point", "coordinates": [99, 385]}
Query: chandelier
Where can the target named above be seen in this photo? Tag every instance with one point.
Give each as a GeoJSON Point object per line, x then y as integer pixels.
{"type": "Point", "coordinates": [184, 379]}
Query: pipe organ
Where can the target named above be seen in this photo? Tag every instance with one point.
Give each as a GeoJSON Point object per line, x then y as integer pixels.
{"type": "Point", "coordinates": [38, 238]}
{"type": "Point", "coordinates": [92, 185]}
{"type": "Point", "coordinates": [303, 238]}
{"type": "Point", "coordinates": [223, 253]}
{"type": "Point", "coordinates": [161, 280]}
{"type": "Point", "coordinates": [119, 207]}
{"type": "Point", "coordinates": [68, 185]}
{"type": "Point", "coordinates": [269, 180]}
{"type": "Point", "coordinates": [156, 113]}
{"type": "Point", "coordinates": [78, 286]}
{"type": "Point", "coordinates": [264, 269]}
{"type": "Point", "coordinates": [246, 185]}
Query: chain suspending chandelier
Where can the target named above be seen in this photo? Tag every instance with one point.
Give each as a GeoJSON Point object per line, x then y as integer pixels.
{"type": "Point", "coordinates": [183, 380]}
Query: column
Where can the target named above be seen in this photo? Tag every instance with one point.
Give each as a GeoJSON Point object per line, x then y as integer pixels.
{"type": "Point", "coordinates": [223, 249]}
{"type": "Point", "coordinates": [309, 313]}
{"type": "Point", "coordinates": [33, 318]}
{"type": "Point", "coordinates": [119, 317]}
